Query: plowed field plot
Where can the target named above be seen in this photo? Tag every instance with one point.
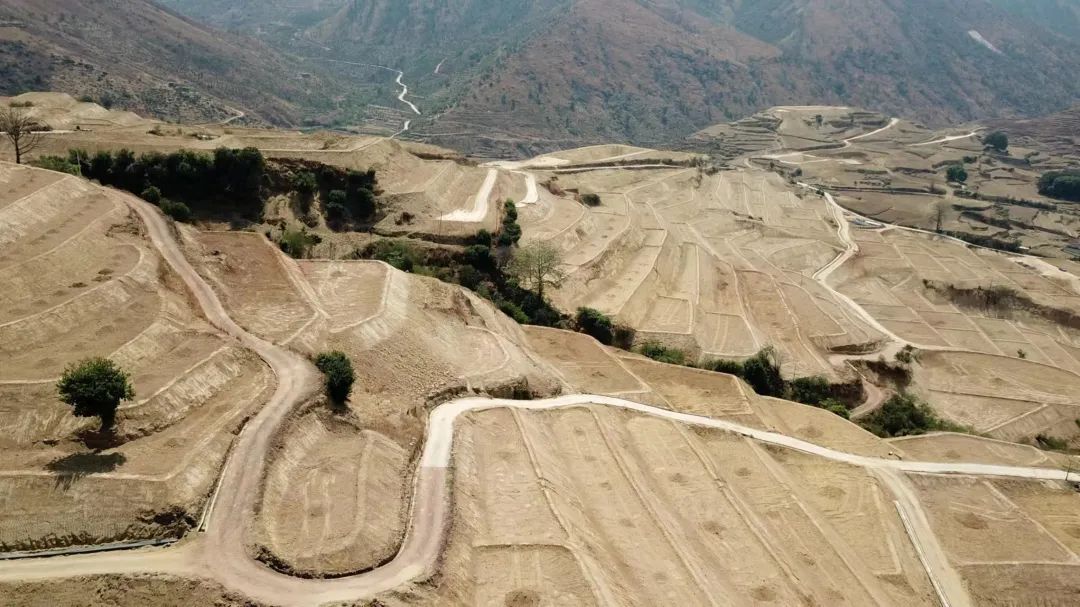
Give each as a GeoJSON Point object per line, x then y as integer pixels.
{"type": "Point", "coordinates": [980, 524]}
{"type": "Point", "coordinates": [335, 497]}
{"type": "Point", "coordinates": [717, 265]}
{"type": "Point", "coordinates": [82, 280]}
{"type": "Point", "coordinates": [591, 506]}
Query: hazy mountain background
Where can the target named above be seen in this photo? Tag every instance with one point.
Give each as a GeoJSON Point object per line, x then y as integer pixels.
{"type": "Point", "coordinates": [520, 76]}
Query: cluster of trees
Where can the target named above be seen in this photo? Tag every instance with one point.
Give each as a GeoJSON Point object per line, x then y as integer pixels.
{"type": "Point", "coordinates": [510, 234]}
{"type": "Point", "coordinates": [349, 197]}
{"type": "Point", "coordinates": [230, 178]}
{"type": "Point", "coordinates": [512, 279]}
{"type": "Point", "coordinates": [762, 372]}
{"type": "Point", "coordinates": [904, 415]}
{"type": "Point", "coordinates": [1064, 185]}
{"type": "Point", "coordinates": [603, 329]}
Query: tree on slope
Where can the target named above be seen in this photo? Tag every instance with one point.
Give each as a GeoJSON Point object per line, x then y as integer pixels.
{"type": "Point", "coordinates": [338, 370]}
{"type": "Point", "coordinates": [998, 140]}
{"type": "Point", "coordinates": [94, 388]}
{"type": "Point", "coordinates": [538, 265]}
{"type": "Point", "coordinates": [18, 128]}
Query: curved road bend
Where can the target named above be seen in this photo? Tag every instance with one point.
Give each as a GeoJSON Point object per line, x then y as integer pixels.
{"type": "Point", "coordinates": [221, 553]}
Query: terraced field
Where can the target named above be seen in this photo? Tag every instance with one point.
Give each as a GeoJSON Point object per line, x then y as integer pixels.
{"type": "Point", "coordinates": [80, 280]}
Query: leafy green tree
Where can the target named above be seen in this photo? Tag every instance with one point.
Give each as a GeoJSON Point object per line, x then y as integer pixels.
{"type": "Point", "coordinates": [1064, 185]}
{"type": "Point", "coordinates": [94, 387]}
{"type": "Point", "coordinates": [338, 370]}
{"type": "Point", "coordinates": [956, 173]}
{"type": "Point", "coordinates": [901, 415]}
{"type": "Point", "coordinates": [998, 140]}
{"type": "Point", "coordinates": [836, 407]}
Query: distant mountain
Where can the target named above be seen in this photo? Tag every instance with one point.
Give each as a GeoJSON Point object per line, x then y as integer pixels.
{"type": "Point", "coordinates": [519, 75]}
{"type": "Point", "coordinates": [142, 57]}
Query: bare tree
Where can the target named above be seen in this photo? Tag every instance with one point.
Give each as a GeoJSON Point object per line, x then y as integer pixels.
{"type": "Point", "coordinates": [538, 265]}
{"type": "Point", "coordinates": [939, 213]}
{"type": "Point", "coordinates": [18, 127]}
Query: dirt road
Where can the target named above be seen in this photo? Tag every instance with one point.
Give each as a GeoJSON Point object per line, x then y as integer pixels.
{"type": "Point", "coordinates": [481, 203]}
{"type": "Point", "coordinates": [221, 553]}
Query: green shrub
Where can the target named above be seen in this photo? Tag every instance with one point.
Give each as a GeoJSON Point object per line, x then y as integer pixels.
{"type": "Point", "coordinates": [514, 311]}
{"type": "Point", "coordinates": [56, 163]}
{"type": "Point", "coordinates": [661, 353]}
{"type": "Point", "coordinates": [836, 407]}
{"type": "Point", "coordinates": [152, 195]}
{"type": "Point", "coordinates": [398, 253]}
{"type": "Point", "coordinates": [592, 200]}
{"type": "Point", "coordinates": [338, 370]}
{"type": "Point", "coordinates": [1064, 185]}
{"type": "Point", "coordinates": [904, 415]}
{"type": "Point", "coordinates": [956, 173]}
{"type": "Point", "coordinates": [809, 390]}
{"type": "Point", "coordinates": [597, 324]}
{"type": "Point", "coordinates": [731, 367]}
{"type": "Point", "coordinates": [483, 238]}
{"type": "Point", "coordinates": [295, 243]}
{"type": "Point", "coordinates": [762, 372]}
{"type": "Point", "coordinates": [177, 210]}
{"type": "Point", "coordinates": [997, 140]}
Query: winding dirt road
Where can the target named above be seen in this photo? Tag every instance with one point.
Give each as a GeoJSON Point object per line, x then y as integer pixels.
{"type": "Point", "coordinates": [221, 552]}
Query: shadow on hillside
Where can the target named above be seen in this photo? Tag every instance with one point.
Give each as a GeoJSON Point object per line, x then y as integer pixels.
{"type": "Point", "coordinates": [72, 468]}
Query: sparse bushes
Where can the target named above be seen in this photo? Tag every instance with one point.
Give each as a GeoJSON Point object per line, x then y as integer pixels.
{"type": "Point", "coordinates": [661, 353]}
{"type": "Point", "coordinates": [590, 200]}
{"type": "Point", "coordinates": [338, 371]}
{"type": "Point", "coordinates": [56, 163]}
{"type": "Point", "coordinates": [1051, 443]}
{"type": "Point", "coordinates": [296, 243]}
{"type": "Point", "coordinates": [94, 388]}
{"type": "Point", "coordinates": [907, 355]}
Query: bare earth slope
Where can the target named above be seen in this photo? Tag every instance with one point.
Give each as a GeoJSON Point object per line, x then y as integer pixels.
{"type": "Point", "coordinates": [139, 56]}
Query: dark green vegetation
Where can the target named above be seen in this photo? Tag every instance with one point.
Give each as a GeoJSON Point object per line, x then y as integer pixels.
{"type": "Point", "coordinates": [481, 268]}
{"type": "Point", "coordinates": [602, 328]}
{"type": "Point", "coordinates": [904, 415]}
{"type": "Point", "coordinates": [997, 141]}
{"type": "Point", "coordinates": [956, 173]}
{"type": "Point", "coordinates": [1064, 185]}
{"type": "Point", "coordinates": [338, 370]}
{"type": "Point", "coordinates": [510, 234]}
{"type": "Point", "coordinates": [227, 183]}
{"type": "Point", "coordinates": [94, 388]}
{"type": "Point", "coordinates": [591, 200]}
{"type": "Point", "coordinates": [762, 372]}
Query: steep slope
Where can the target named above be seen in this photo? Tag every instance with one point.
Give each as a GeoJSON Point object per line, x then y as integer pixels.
{"type": "Point", "coordinates": [513, 76]}
{"type": "Point", "coordinates": [139, 56]}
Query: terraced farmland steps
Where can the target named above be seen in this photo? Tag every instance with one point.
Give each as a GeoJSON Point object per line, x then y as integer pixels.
{"type": "Point", "coordinates": [221, 553]}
